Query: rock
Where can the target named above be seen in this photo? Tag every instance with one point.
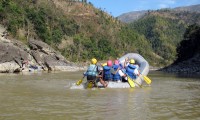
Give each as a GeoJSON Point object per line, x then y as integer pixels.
{"type": "Point", "coordinates": [9, 67]}
{"type": "Point", "coordinates": [16, 57]}
{"type": "Point", "coordinates": [47, 57]}
{"type": "Point", "coordinates": [54, 64]}
{"type": "Point", "coordinates": [190, 66]}
{"type": "Point", "coordinates": [41, 46]}
{"type": "Point", "coordinates": [37, 56]}
{"type": "Point", "coordinates": [10, 52]}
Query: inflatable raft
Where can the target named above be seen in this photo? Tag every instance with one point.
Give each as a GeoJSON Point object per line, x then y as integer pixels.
{"type": "Point", "coordinates": [143, 68]}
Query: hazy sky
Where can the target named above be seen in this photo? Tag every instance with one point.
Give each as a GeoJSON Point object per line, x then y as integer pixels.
{"type": "Point", "coordinates": [118, 7]}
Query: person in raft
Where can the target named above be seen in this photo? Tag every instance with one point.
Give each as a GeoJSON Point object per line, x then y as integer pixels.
{"type": "Point", "coordinates": [100, 76]}
{"type": "Point", "coordinates": [107, 75]}
{"type": "Point", "coordinates": [92, 72]}
{"type": "Point", "coordinates": [117, 72]}
{"type": "Point", "coordinates": [132, 69]}
{"type": "Point", "coordinates": [127, 62]}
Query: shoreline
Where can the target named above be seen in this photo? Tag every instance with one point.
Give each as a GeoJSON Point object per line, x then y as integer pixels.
{"type": "Point", "coordinates": [189, 66]}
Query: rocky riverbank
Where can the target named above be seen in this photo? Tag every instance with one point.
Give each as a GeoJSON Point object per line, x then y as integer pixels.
{"type": "Point", "coordinates": [190, 66]}
{"type": "Point", "coordinates": [36, 56]}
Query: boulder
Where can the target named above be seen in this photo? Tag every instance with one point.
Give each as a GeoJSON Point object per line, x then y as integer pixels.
{"type": "Point", "coordinates": [10, 52]}
{"type": "Point", "coordinates": [189, 66]}
{"type": "Point", "coordinates": [9, 67]}
{"type": "Point", "coordinates": [41, 46]}
{"type": "Point", "coordinates": [16, 57]}
{"type": "Point", "coordinates": [38, 57]}
{"type": "Point", "coordinates": [47, 57]}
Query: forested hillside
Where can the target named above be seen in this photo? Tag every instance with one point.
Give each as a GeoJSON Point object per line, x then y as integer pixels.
{"type": "Point", "coordinates": [131, 16]}
{"type": "Point", "coordinates": [188, 58]}
{"type": "Point", "coordinates": [135, 15]}
{"type": "Point", "coordinates": [192, 8]}
{"type": "Point", "coordinates": [80, 31]}
{"type": "Point", "coordinates": [164, 29]}
{"type": "Point", "coordinates": [190, 45]}
{"type": "Point", "coordinates": [77, 29]}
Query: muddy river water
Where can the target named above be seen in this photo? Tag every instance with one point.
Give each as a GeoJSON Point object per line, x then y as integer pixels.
{"type": "Point", "coordinates": [47, 96]}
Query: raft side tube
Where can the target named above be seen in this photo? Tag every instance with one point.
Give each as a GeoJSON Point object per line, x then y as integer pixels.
{"type": "Point", "coordinates": [143, 68]}
{"type": "Point", "coordinates": [140, 61]}
{"type": "Point", "coordinates": [143, 64]}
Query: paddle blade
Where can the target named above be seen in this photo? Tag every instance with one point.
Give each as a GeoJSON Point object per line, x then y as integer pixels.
{"type": "Point", "coordinates": [79, 82]}
{"type": "Point", "coordinates": [90, 85]}
{"type": "Point", "coordinates": [131, 83]}
{"type": "Point", "coordinates": [147, 80]}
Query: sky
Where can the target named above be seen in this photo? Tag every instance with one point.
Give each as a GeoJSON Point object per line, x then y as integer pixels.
{"type": "Point", "coordinates": [118, 7]}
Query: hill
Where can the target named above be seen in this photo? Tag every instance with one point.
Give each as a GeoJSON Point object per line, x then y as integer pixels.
{"type": "Point", "coordinates": [77, 29]}
{"type": "Point", "coordinates": [135, 15]}
{"type": "Point", "coordinates": [192, 8]}
{"type": "Point", "coordinates": [188, 58]}
{"type": "Point", "coordinates": [131, 16]}
{"type": "Point", "coordinates": [164, 29]}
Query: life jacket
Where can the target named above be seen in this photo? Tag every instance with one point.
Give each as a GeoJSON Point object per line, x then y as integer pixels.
{"type": "Point", "coordinates": [107, 73]}
{"type": "Point", "coordinates": [121, 66]}
{"type": "Point", "coordinates": [130, 71]}
{"type": "Point", "coordinates": [92, 70]}
{"type": "Point", "coordinates": [116, 76]}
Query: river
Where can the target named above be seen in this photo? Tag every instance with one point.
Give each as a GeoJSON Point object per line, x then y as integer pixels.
{"type": "Point", "coordinates": [47, 96]}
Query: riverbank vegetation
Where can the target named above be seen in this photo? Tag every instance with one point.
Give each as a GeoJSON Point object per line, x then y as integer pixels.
{"type": "Point", "coordinates": [164, 29]}
{"type": "Point", "coordinates": [189, 46]}
{"type": "Point", "coordinates": [188, 53]}
{"type": "Point", "coordinates": [80, 31]}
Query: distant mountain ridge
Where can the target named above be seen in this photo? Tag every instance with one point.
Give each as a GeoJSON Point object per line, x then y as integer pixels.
{"type": "Point", "coordinates": [131, 16]}
{"type": "Point", "coordinates": [164, 29]}
{"type": "Point", "coordinates": [192, 8]}
{"type": "Point", "coordinates": [135, 15]}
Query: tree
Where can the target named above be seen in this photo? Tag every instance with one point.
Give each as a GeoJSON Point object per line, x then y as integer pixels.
{"type": "Point", "coordinates": [190, 44]}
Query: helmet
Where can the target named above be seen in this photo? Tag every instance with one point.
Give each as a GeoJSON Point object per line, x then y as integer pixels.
{"type": "Point", "coordinates": [116, 62]}
{"type": "Point", "coordinates": [132, 61]}
{"type": "Point", "coordinates": [104, 64]}
{"type": "Point", "coordinates": [93, 61]}
{"type": "Point", "coordinates": [109, 63]}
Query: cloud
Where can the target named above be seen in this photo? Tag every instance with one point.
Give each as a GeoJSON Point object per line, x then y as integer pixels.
{"type": "Point", "coordinates": [163, 6]}
{"type": "Point", "coordinates": [166, 3]}
{"type": "Point", "coordinates": [171, 1]}
{"type": "Point", "coordinates": [155, 4]}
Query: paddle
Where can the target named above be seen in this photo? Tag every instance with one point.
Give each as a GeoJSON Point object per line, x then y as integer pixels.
{"type": "Point", "coordinates": [130, 82]}
{"type": "Point", "coordinates": [80, 81]}
{"type": "Point", "coordinates": [134, 81]}
{"type": "Point", "coordinates": [90, 84]}
{"type": "Point", "coordinates": [146, 79]}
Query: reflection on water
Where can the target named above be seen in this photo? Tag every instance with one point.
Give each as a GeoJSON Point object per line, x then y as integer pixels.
{"type": "Point", "coordinates": [47, 96]}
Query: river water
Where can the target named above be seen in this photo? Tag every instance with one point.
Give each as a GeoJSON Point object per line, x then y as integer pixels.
{"type": "Point", "coordinates": [47, 96]}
